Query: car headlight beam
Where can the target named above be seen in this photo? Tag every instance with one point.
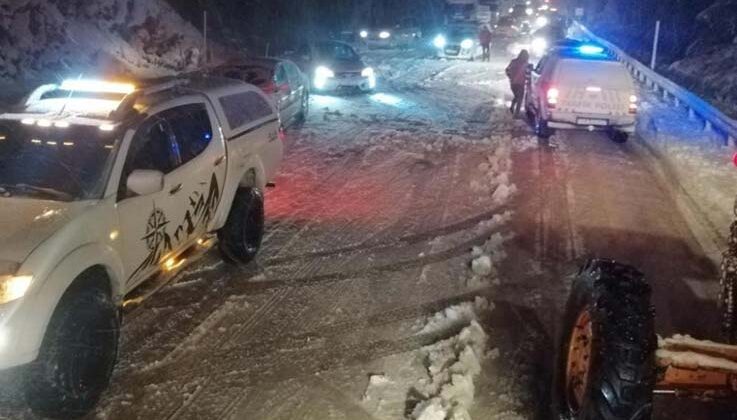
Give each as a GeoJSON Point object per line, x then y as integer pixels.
{"type": "Point", "coordinates": [13, 287]}
{"type": "Point", "coordinates": [384, 35]}
{"type": "Point", "coordinates": [439, 41]}
{"type": "Point", "coordinates": [467, 44]}
{"type": "Point", "coordinates": [364, 34]}
{"type": "Point", "coordinates": [322, 74]}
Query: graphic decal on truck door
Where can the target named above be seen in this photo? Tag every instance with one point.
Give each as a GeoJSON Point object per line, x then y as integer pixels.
{"type": "Point", "coordinates": [160, 243]}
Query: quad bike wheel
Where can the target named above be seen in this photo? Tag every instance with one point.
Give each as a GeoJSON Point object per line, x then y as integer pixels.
{"type": "Point", "coordinates": [605, 367]}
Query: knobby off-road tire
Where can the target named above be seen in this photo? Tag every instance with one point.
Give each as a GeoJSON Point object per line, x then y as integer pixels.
{"type": "Point", "coordinates": [77, 357]}
{"type": "Point", "coordinates": [240, 238]}
{"type": "Point", "coordinates": [728, 286]}
{"type": "Point", "coordinates": [605, 367]}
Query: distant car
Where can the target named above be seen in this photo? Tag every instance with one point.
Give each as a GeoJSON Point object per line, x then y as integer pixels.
{"type": "Point", "coordinates": [458, 42]}
{"type": "Point", "coordinates": [403, 35]}
{"type": "Point", "coordinates": [281, 80]}
{"type": "Point", "coordinates": [334, 66]}
{"type": "Point", "coordinates": [505, 28]}
{"type": "Point", "coordinates": [582, 87]}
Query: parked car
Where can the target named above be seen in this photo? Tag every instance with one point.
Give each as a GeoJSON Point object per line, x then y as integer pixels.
{"type": "Point", "coordinates": [458, 42]}
{"type": "Point", "coordinates": [281, 80]}
{"type": "Point", "coordinates": [582, 87]}
{"type": "Point", "coordinates": [104, 186]}
{"type": "Point", "coordinates": [334, 66]}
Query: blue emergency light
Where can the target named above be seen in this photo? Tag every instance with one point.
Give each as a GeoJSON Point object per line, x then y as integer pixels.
{"type": "Point", "coordinates": [590, 49]}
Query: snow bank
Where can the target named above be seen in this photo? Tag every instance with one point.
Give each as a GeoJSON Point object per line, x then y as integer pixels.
{"type": "Point", "coordinates": [452, 366]}
{"type": "Point", "coordinates": [44, 40]}
{"type": "Point", "coordinates": [454, 316]}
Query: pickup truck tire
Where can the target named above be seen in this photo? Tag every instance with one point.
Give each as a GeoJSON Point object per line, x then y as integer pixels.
{"type": "Point", "coordinates": [605, 367]}
{"type": "Point", "coordinates": [240, 238]}
{"type": "Point", "coordinates": [77, 356]}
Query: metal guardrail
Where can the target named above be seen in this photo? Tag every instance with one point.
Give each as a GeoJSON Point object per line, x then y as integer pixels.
{"type": "Point", "coordinates": [714, 119]}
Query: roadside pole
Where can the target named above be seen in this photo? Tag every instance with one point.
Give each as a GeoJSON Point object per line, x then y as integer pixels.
{"type": "Point", "coordinates": [654, 60]}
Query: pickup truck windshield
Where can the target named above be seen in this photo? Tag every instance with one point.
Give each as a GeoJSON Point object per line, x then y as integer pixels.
{"type": "Point", "coordinates": [60, 164]}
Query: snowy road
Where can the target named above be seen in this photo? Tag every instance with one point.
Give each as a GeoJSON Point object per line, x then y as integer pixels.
{"type": "Point", "coordinates": [372, 226]}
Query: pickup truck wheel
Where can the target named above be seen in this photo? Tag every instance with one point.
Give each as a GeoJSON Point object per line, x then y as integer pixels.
{"type": "Point", "coordinates": [240, 238]}
{"type": "Point", "coordinates": [77, 357]}
{"type": "Point", "coordinates": [606, 360]}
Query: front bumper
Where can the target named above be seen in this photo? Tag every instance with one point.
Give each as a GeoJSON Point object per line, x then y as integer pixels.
{"type": "Point", "coordinates": [18, 336]}
{"type": "Point", "coordinates": [361, 83]}
{"type": "Point", "coordinates": [624, 123]}
{"type": "Point", "coordinates": [456, 52]}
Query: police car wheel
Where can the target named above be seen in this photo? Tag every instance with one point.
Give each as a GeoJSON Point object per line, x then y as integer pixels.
{"type": "Point", "coordinates": [240, 238]}
{"type": "Point", "coordinates": [78, 354]}
{"type": "Point", "coordinates": [541, 128]}
{"type": "Point", "coordinates": [619, 136]}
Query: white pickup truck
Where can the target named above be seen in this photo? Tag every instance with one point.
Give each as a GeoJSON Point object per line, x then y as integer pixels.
{"type": "Point", "coordinates": [104, 186]}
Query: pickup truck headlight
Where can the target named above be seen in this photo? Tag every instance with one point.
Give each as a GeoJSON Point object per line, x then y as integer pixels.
{"type": "Point", "coordinates": [466, 44]}
{"type": "Point", "coordinates": [12, 286]}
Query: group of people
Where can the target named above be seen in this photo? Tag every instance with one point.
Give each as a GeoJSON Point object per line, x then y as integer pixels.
{"type": "Point", "coordinates": [516, 70]}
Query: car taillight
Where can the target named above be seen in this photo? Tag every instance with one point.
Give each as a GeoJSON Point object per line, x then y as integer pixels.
{"type": "Point", "coordinates": [269, 88]}
{"type": "Point", "coordinates": [633, 104]}
{"type": "Point", "coordinates": [553, 95]}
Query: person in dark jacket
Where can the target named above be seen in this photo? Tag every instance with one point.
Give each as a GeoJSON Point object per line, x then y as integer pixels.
{"type": "Point", "coordinates": [517, 73]}
{"type": "Point", "coordinates": [485, 41]}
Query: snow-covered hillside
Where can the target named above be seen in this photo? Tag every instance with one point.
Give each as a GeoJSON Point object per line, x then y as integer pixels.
{"type": "Point", "coordinates": [42, 40]}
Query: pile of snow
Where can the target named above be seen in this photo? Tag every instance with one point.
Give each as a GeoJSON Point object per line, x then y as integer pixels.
{"type": "Point", "coordinates": [454, 316]}
{"type": "Point", "coordinates": [45, 40]}
{"type": "Point", "coordinates": [484, 260]}
{"type": "Point", "coordinates": [452, 366]}
{"type": "Point", "coordinates": [495, 173]}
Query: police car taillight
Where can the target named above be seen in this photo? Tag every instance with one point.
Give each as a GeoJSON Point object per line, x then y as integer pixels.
{"type": "Point", "coordinates": [553, 95]}
{"type": "Point", "coordinates": [633, 104]}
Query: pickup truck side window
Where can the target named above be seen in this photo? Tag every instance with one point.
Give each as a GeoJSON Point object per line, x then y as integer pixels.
{"type": "Point", "coordinates": [541, 65]}
{"type": "Point", "coordinates": [152, 148]}
{"type": "Point", "coordinates": [192, 129]}
{"type": "Point", "coordinates": [243, 108]}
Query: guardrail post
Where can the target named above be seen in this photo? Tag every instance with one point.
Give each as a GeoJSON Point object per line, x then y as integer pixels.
{"type": "Point", "coordinates": [665, 95]}
{"type": "Point", "coordinates": [676, 101]}
{"type": "Point", "coordinates": [707, 126]}
{"type": "Point", "coordinates": [691, 114]}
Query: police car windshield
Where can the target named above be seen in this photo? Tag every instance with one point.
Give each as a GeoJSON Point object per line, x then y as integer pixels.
{"type": "Point", "coordinates": [60, 164]}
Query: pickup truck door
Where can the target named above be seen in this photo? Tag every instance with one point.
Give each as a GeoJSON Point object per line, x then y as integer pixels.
{"type": "Point", "coordinates": [534, 88]}
{"type": "Point", "coordinates": [144, 221]}
{"type": "Point", "coordinates": [195, 188]}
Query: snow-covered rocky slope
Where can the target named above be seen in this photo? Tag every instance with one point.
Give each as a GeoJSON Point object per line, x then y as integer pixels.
{"type": "Point", "coordinates": [46, 40]}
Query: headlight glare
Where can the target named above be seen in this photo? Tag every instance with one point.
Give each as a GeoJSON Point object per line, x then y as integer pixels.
{"type": "Point", "coordinates": [364, 34]}
{"type": "Point", "coordinates": [384, 35]}
{"type": "Point", "coordinates": [13, 287]}
{"type": "Point", "coordinates": [466, 44]}
{"type": "Point", "coordinates": [367, 72]}
{"type": "Point", "coordinates": [439, 41]}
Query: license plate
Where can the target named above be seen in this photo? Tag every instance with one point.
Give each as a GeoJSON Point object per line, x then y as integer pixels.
{"type": "Point", "coordinates": [591, 121]}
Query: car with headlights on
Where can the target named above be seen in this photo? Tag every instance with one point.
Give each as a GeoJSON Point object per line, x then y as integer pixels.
{"type": "Point", "coordinates": [458, 42]}
{"type": "Point", "coordinates": [105, 187]}
{"type": "Point", "coordinates": [280, 79]}
{"type": "Point", "coordinates": [334, 66]}
{"type": "Point", "coordinates": [403, 35]}
{"type": "Point", "coordinates": [582, 87]}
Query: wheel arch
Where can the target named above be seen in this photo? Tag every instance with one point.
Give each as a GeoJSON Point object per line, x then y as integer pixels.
{"type": "Point", "coordinates": [250, 174]}
{"type": "Point", "coordinates": [71, 274]}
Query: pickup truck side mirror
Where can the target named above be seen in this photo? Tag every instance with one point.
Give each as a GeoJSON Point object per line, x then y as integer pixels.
{"type": "Point", "coordinates": [145, 182]}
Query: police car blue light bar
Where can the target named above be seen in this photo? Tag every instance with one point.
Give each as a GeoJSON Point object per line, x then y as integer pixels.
{"type": "Point", "coordinates": [590, 49]}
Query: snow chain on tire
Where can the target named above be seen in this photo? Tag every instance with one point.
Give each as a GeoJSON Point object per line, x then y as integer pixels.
{"type": "Point", "coordinates": [609, 372]}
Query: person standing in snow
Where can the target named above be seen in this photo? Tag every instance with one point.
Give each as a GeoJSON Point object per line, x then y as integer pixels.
{"type": "Point", "coordinates": [485, 41]}
{"type": "Point", "coordinates": [517, 73]}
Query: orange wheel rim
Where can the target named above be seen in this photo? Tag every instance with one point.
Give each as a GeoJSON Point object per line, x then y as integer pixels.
{"type": "Point", "coordinates": [579, 360]}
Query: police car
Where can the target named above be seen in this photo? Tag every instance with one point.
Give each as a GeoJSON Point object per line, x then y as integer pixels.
{"type": "Point", "coordinates": [580, 86]}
